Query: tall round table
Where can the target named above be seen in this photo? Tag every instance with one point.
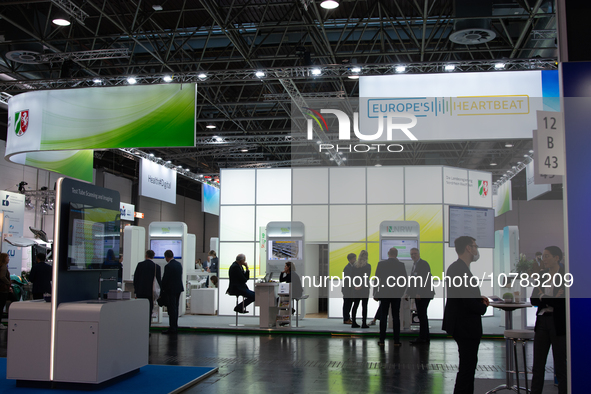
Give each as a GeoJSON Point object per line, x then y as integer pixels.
{"type": "Point", "coordinates": [508, 308]}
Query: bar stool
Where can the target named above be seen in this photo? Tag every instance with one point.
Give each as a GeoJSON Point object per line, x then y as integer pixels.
{"type": "Point", "coordinates": [303, 297]}
{"type": "Point", "coordinates": [236, 324]}
{"type": "Point", "coordinates": [519, 336]}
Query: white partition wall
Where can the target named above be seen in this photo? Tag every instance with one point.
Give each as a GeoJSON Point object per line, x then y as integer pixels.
{"type": "Point", "coordinates": [134, 249]}
{"type": "Point", "coordinates": [343, 207]}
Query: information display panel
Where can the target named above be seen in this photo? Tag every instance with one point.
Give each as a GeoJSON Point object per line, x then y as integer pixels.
{"type": "Point", "coordinates": [285, 250]}
{"type": "Point", "coordinates": [478, 223]}
{"type": "Point", "coordinates": [403, 245]}
{"type": "Point", "coordinates": [159, 246]}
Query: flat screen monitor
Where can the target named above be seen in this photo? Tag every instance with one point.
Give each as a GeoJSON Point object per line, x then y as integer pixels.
{"type": "Point", "coordinates": [478, 223]}
{"type": "Point", "coordinates": [403, 245]}
{"type": "Point", "coordinates": [285, 250]}
{"type": "Point", "coordinates": [93, 237]}
{"type": "Point", "coordinates": [159, 246]}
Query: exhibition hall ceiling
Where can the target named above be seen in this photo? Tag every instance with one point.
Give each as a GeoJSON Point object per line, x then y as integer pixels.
{"type": "Point", "coordinates": [220, 45]}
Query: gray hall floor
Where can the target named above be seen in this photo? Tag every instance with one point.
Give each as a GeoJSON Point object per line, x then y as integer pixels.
{"type": "Point", "coordinates": [322, 356]}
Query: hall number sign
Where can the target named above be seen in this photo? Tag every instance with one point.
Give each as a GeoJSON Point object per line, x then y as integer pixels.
{"type": "Point", "coordinates": [550, 155]}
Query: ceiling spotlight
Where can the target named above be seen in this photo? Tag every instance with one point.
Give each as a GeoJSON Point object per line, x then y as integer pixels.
{"type": "Point", "coordinates": [61, 22]}
{"type": "Point", "coordinates": [400, 69]}
{"type": "Point", "coordinates": [97, 80]}
{"type": "Point", "coordinates": [531, 151]}
{"type": "Point", "coordinates": [353, 76]}
{"type": "Point", "coordinates": [493, 163]}
{"type": "Point", "coordinates": [243, 150]}
{"type": "Point", "coordinates": [508, 145]}
{"type": "Point", "coordinates": [210, 126]}
{"type": "Point", "coordinates": [499, 66]}
{"type": "Point", "coordinates": [332, 159]}
{"type": "Point", "coordinates": [131, 80]}
{"type": "Point", "coordinates": [167, 78]}
{"type": "Point", "coordinates": [525, 155]}
{"type": "Point", "coordinates": [449, 67]}
{"type": "Point", "coordinates": [151, 155]}
{"type": "Point", "coordinates": [259, 74]}
{"type": "Point", "coordinates": [378, 165]}
{"type": "Point", "coordinates": [356, 69]}
{"type": "Point", "coordinates": [202, 76]}
{"type": "Point", "coordinates": [157, 7]}
{"type": "Point", "coordinates": [344, 158]}
{"type": "Point", "coordinates": [316, 71]}
{"type": "Point", "coordinates": [168, 162]}
{"type": "Point", "coordinates": [329, 4]}
{"type": "Point", "coordinates": [218, 139]}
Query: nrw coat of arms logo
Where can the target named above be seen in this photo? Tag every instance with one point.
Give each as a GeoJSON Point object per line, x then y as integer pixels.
{"type": "Point", "coordinates": [483, 188]}
{"type": "Point", "coordinates": [21, 122]}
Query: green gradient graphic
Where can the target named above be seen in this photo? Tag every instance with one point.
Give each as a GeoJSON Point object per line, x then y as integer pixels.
{"type": "Point", "coordinates": [76, 165]}
{"type": "Point", "coordinates": [430, 218]}
{"type": "Point", "coordinates": [161, 116]}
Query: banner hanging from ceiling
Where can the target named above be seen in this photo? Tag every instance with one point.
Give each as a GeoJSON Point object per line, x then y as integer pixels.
{"type": "Point", "coordinates": [456, 106]}
{"type": "Point", "coordinates": [42, 122]}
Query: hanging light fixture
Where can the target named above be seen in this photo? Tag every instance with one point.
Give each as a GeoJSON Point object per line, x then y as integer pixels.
{"type": "Point", "coordinates": [329, 4]}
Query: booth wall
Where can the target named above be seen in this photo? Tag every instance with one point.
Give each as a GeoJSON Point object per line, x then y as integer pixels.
{"type": "Point", "coordinates": [532, 219]}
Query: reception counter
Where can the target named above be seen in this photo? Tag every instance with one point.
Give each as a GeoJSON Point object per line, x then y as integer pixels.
{"type": "Point", "coordinates": [95, 341]}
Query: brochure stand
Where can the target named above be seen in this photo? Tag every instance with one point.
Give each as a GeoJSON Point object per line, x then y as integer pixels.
{"type": "Point", "coordinates": [285, 305]}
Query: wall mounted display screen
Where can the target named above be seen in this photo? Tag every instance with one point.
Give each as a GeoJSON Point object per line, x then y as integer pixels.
{"type": "Point", "coordinates": [478, 223]}
{"type": "Point", "coordinates": [285, 250]}
{"type": "Point", "coordinates": [403, 245]}
{"type": "Point", "coordinates": [159, 246]}
{"type": "Point", "coordinates": [93, 237]}
{"type": "Point", "coordinates": [210, 201]}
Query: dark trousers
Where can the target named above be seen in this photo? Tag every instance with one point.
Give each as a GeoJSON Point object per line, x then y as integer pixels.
{"type": "Point", "coordinates": [422, 306]}
{"type": "Point", "coordinates": [248, 298]}
{"type": "Point", "coordinates": [387, 304]}
{"type": "Point", "coordinates": [151, 301]}
{"type": "Point", "coordinates": [347, 303]}
{"type": "Point", "coordinates": [468, 349]}
{"type": "Point", "coordinates": [3, 299]}
{"type": "Point", "coordinates": [356, 302]}
{"type": "Point", "coordinates": [173, 311]}
{"type": "Point", "coordinates": [544, 337]}
{"type": "Point", "coordinates": [378, 315]}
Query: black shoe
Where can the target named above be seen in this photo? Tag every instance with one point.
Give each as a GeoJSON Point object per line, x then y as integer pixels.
{"type": "Point", "coordinates": [364, 325]}
{"type": "Point", "coordinates": [348, 321]}
{"type": "Point", "coordinates": [381, 343]}
{"type": "Point", "coordinates": [355, 325]}
{"type": "Point", "coordinates": [169, 332]}
{"type": "Point", "coordinates": [239, 309]}
{"type": "Point", "coordinates": [397, 344]}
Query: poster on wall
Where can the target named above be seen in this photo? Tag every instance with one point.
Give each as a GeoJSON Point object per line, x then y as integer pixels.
{"type": "Point", "coordinates": [157, 181]}
{"type": "Point", "coordinates": [13, 207]}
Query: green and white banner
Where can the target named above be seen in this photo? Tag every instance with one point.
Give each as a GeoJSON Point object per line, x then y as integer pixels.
{"type": "Point", "coordinates": [97, 118]}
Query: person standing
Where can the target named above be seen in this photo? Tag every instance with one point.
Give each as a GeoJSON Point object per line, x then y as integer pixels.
{"type": "Point", "coordinates": [550, 328]}
{"type": "Point", "coordinates": [143, 280]}
{"type": "Point", "coordinates": [462, 317]}
{"type": "Point", "coordinates": [212, 266]}
{"type": "Point", "coordinates": [5, 285]}
{"type": "Point", "coordinates": [41, 275]}
{"type": "Point", "coordinates": [420, 289]}
{"type": "Point", "coordinates": [172, 287]}
{"type": "Point", "coordinates": [389, 293]}
{"type": "Point", "coordinates": [347, 288]}
{"type": "Point", "coordinates": [239, 274]}
{"type": "Point", "coordinates": [360, 275]}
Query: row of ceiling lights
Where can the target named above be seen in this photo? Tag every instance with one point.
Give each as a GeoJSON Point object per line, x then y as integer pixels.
{"type": "Point", "coordinates": [355, 73]}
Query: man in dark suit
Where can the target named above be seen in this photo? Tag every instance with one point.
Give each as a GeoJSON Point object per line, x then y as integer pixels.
{"type": "Point", "coordinates": [462, 318]}
{"type": "Point", "coordinates": [238, 278]}
{"type": "Point", "coordinates": [172, 287]}
{"type": "Point", "coordinates": [389, 293]}
{"type": "Point", "coordinates": [41, 274]}
{"type": "Point", "coordinates": [347, 288]}
{"type": "Point", "coordinates": [143, 280]}
{"type": "Point", "coordinates": [419, 288]}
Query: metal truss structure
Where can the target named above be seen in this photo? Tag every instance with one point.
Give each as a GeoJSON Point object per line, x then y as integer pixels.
{"type": "Point", "coordinates": [301, 52]}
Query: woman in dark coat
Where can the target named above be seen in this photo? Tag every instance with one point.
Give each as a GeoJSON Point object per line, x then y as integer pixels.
{"type": "Point", "coordinates": [360, 275]}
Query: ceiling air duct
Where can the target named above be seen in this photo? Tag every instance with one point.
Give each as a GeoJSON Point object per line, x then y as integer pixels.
{"type": "Point", "coordinates": [472, 31]}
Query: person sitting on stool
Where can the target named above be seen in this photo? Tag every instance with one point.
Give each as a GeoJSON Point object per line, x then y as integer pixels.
{"type": "Point", "coordinates": [239, 275]}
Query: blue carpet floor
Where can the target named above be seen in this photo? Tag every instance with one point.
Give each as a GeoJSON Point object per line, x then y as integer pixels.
{"type": "Point", "coordinates": [162, 379]}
